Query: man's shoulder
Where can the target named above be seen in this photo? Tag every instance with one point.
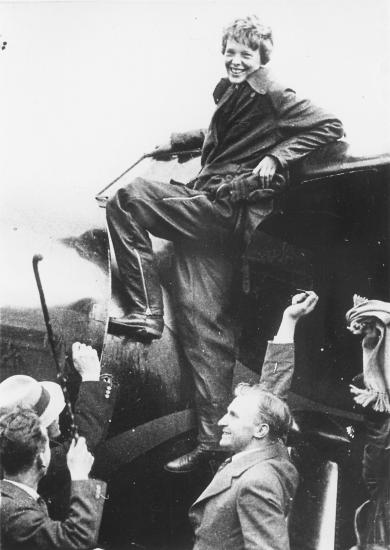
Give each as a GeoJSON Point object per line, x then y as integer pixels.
{"type": "Point", "coordinates": [14, 498]}
{"type": "Point", "coordinates": [266, 465]}
{"type": "Point", "coordinates": [10, 490]}
{"type": "Point", "coordinates": [265, 471]}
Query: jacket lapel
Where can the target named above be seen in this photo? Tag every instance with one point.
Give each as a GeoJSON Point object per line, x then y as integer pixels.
{"type": "Point", "coordinates": [221, 94]}
{"type": "Point", "coordinates": [220, 89]}
{"type": "Point", "coordinates": [223, 479]}
{"type": "Point", "coordinates": [220, 482]}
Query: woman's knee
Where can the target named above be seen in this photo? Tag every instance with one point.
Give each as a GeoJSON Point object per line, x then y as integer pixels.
{"type": "Point", "coordinates": [122, 199]}
{"type": "Point", "coordinates": [135, 189]}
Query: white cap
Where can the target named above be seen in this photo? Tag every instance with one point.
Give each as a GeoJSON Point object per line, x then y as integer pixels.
{"type": "Point", "coordinates": [45, 398]}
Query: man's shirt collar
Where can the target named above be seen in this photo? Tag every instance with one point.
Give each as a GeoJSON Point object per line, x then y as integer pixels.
{"type": "Point", "coordinates": [25, 488]}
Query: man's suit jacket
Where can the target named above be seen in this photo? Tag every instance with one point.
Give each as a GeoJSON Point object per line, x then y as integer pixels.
{"type": "Point", "coordinates": [247, 503]}
{"type": "Point", "coordinates": [93, 411]}
{"type": "Point", "coordinates": [26, 525]}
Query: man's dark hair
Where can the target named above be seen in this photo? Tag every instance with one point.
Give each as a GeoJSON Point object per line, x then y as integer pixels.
{"type": "Point", "coordinates": [21, 439]}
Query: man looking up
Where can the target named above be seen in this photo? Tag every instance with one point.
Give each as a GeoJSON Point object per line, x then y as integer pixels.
{"type": "Point", "coordinates": [25, 523]}
{"type": "Point", "coordinates": [258, 130]}
{"type": "Point", "coordinates": [247, 503]}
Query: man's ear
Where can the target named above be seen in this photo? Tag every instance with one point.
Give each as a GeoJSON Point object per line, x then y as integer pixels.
{"type": "Point", "coordinates": [261, 431]}
{"type": "Point", "coordinates": [42, 462]}
{"type": "Point", "coordinates": [53, 430]}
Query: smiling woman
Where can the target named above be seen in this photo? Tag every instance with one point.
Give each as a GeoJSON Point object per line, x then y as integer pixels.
{"type": "Point", "coordinates": [104, 86]}
{"type": "Point", "coordinates": [246, 44]}
{"type": "Point", "coordinates": [240, 61]}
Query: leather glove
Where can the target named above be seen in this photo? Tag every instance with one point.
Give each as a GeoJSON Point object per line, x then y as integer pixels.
{"type": "Point", "coordinates": [247, 188]}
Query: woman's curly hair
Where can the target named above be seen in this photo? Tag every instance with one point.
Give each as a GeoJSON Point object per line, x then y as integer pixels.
{"type": "Point", "coordinates": [249, 31]}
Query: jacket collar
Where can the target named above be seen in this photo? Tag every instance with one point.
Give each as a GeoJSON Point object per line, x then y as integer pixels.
{"type": "Point", "coordinates": [223, 479]}
{"type": "Point", "coordinates": [15, 492]}
{"type": "Point", "coordinates": [29, 490]}
{"type": "Point", "coordinates": [258, 81]}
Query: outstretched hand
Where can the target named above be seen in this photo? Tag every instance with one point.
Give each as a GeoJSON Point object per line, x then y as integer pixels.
{"type": "Point", "coordinates": [301, 304]}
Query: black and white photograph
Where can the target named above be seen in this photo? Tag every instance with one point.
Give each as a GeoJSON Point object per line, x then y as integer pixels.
{"type": "Point", "coordinates": [195, 284]}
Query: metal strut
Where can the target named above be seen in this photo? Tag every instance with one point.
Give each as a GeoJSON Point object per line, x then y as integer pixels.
{"type": "Point", "coordinates": [61, 377]}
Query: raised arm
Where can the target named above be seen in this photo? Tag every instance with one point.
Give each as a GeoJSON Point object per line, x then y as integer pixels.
{"type": "Point", "coordinates": [96, 398]}
{"type": "Point", "coordinates": [278, 366]}
{"type": "Point", "coordinates": [182, 141]}
{"type": "Point", "coordinates": [31, 526]}
{"type": "Point", "coordinates": [303, 125]}
{"type": "Point", "coordinates": [93, 411]}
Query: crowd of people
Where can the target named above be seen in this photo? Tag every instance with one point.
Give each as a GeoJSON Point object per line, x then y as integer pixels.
{"type": "Point", "coordinates": [258, 130]}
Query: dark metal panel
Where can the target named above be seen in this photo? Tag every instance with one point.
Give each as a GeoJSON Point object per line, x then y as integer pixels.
{"type": "Point", "coordinates": [126, 447]}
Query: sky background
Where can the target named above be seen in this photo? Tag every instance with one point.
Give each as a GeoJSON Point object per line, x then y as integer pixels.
{"type": "Point", "coordinates": [87, 87]}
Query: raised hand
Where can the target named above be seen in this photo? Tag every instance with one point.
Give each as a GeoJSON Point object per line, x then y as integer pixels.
{"type": "Point", "coordinates": [86, 362]}
{"type": "Point", "coordinates": [301, 304]}
{"type": "Point", "coordinates": [79, 459]}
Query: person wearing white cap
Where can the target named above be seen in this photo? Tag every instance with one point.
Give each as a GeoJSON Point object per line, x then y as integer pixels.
{"type": "Point", "coordinates": [93, 411]}
{"type": "Point", "coordinates": [46, 399]}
